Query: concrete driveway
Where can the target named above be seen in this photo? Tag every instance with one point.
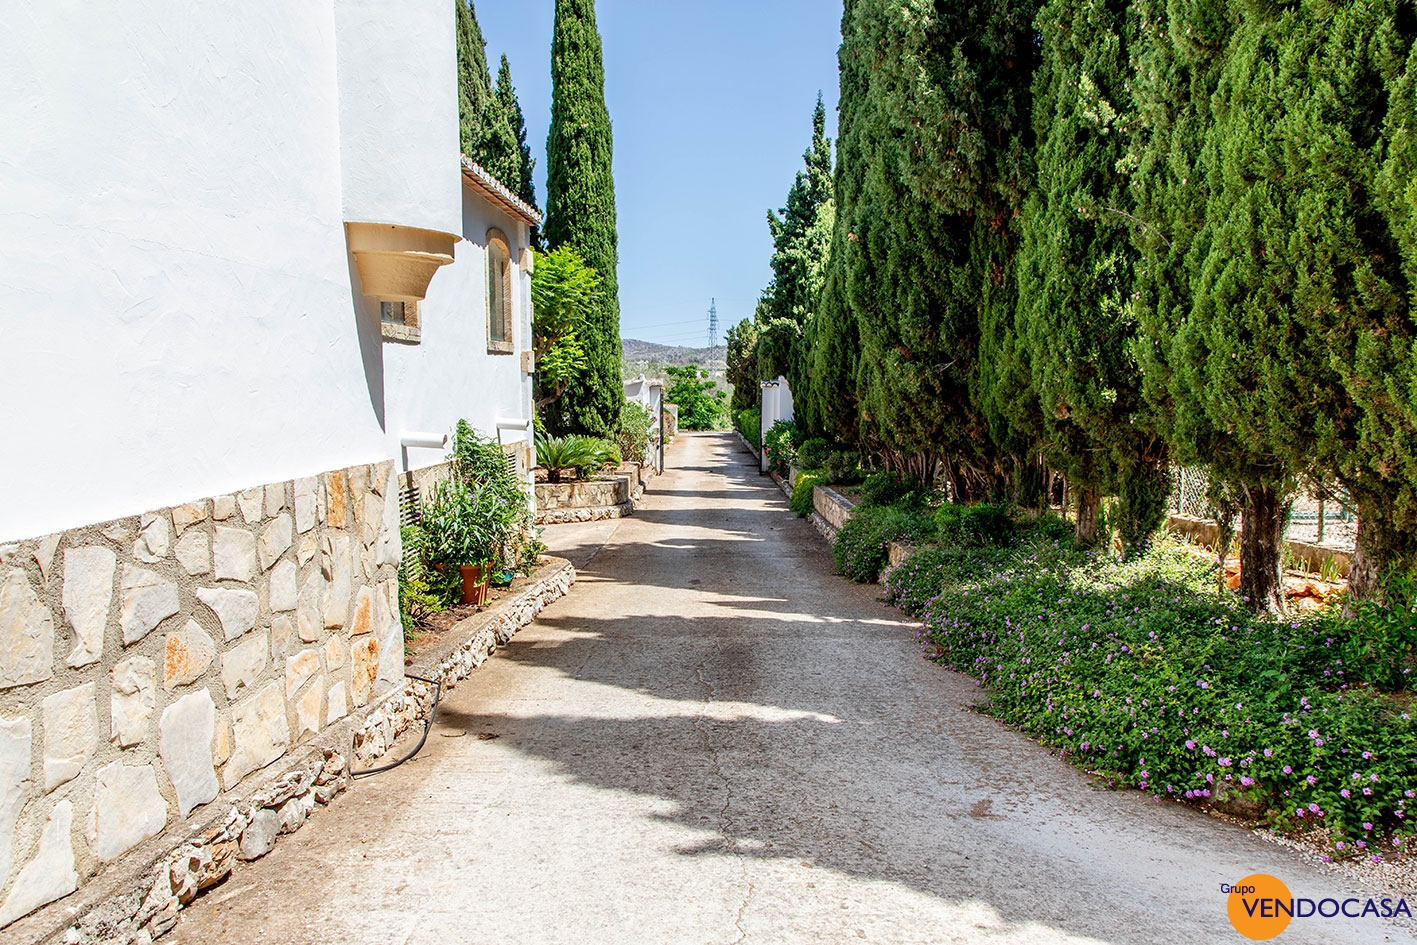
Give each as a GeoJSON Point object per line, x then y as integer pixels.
{"type": "Point", "coordinates": [715, 740]}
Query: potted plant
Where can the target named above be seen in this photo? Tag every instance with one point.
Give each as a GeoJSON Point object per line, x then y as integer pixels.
{"type": "Point", "coordinates": [459, 522]}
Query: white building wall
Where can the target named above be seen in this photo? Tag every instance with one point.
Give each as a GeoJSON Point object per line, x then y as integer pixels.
{"type": "Point", "coordinates": [450, 375]}
{"type": "Point", "coordinates": [398, 94]}
{"type": "Point", "coordinates": [181, 317]}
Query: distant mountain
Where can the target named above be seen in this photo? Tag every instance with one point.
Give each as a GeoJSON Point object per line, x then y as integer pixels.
{"type": "Point", "coordinates": [645, 356]}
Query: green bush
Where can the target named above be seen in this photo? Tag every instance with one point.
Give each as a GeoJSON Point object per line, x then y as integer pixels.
{"type": "Point", "coordinates": [581, 454]}
{"type": "Point", "coordinates": [802, 502]}
{"type": "Point", "coordinates": [843, 466]}
{"type": "Point", "coordinates": [1138, 670]}
{"type": "Point", "coordinates": [750, 423]}
{"type": "Point", "coordinates": [702, 405]}
{"type": "Point", "coordinates": [975, 525]}
{"type": "Point", "coordinates": [888, 488]}
{"type": "Point", "coordinates": [780, 444]}
{"type": "Point", "coordinates": [635, 432]}
{"type": "Point", "coordinates": [813, 453]}
{"type": "Point", "coordinates": [862, 546]}
{"type": "Point", "coordinates": [1379, 643]}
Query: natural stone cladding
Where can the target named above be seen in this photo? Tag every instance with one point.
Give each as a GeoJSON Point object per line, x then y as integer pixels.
{"type": "Point", "coordinates": [562, 503]}
{"type": "Point", "coordinates": [141, 898]}
{"type": "Point", "coordinates": [159, 663]}
{"type": "Point", "coordinates": [469, 644]}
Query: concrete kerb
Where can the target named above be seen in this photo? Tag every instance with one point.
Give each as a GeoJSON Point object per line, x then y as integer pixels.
{"type": "Point", "coordinates": [139, 897]}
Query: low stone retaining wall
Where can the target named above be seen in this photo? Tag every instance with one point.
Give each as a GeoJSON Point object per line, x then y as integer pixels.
{"type": "Point", "coordinates": [832, 511]}
{"type": "Point", "coordinates": [560, 503]}
{"type": "Point", "coordinates": [1313, 558]}
{"type": "Point", "coordinates": [142, 897]}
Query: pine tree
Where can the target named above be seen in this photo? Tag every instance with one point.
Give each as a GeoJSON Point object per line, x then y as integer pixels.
{"type": "Point", "coordinates": [1075, 273]}
{"type": "Point", "coordinates": [580, 205]}
{"type": "Point", "coordinates": [522, 182]}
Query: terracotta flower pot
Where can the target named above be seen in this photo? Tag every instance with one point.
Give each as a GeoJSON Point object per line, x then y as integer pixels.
{"type": "Point", "coordinates": [474, 584]}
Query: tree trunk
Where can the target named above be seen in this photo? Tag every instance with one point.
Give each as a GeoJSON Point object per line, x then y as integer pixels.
{"type": "Point", "coordinates": [952, 479]}
{"type": "Point", "coordinates": [1380, 548]}
{"type": "Point", "coordinates": [1261, 538]}
{"type": "Point", "coordinates": [1085, 531]}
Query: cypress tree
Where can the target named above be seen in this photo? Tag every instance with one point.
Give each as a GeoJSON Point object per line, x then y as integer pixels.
{"type": "Point", "coordinates": [1304, 277]}
{"type": "Point", "coordinates": [580, 206]}
{"type": "Point", "coordinates": [830, 405]}
{"type": "Point", "coordinates": [801, 238]}
{"type": "Point", "coordinates": [522, 166]}
{"type": "Point", "coordinates": [943, 135]}
{"type": "Point", "coordinates": [1075, 273]}
{"type": "Point", "coordinates": [1195, 400]}
{"type": "Point", "coordinates": [742, 358]}
{"type": "Point", "coordinates": [474, 81]}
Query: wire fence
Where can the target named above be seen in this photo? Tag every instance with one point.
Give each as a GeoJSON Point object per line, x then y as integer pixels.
{"type": "Point", "coordinates": [1326, 518]}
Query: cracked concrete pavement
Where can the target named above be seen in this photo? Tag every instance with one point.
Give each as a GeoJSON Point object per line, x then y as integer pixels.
{"type": "Point", "coordinates": [712, 740]}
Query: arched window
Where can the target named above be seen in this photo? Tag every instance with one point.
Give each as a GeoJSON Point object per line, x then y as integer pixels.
{"type": "Point", "coordinates": [499, 293]}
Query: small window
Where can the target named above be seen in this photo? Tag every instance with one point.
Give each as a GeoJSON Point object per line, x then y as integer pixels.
{"type": "Point", "coordinates": [399, 321]}
{"type": "Point", "coordinates": [499, 293]}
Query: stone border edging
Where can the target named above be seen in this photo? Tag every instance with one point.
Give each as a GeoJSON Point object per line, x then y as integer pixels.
{"type": "Point", "coordinates": [744, 440]}
{"type": "Point", "coordinates": [142, 898]}
{"type": "Point", "coordinates": [471, 642]}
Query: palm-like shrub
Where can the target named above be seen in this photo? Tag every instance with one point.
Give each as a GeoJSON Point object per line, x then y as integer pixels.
{"type": "Point", "coordinates": [561, 454]}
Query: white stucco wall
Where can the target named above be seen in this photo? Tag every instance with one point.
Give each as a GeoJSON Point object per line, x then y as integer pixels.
{"type": "Point", "coordinates": [180, 312]}
{"type": "Point", "coordinates": [398, 112]}
{"type": "Point", "coordinates": [449, 375]}
{"type": "Point", "coordinates": [172, 259]}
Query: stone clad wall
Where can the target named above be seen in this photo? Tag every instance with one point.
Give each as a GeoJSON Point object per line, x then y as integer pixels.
{"type": "Point", "coordinates": [150, 664]}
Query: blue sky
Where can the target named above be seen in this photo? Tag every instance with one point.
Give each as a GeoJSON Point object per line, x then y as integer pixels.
{"type": "Point", "coordinates": [711, 104]}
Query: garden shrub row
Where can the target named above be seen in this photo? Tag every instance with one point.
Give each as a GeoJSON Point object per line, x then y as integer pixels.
{"type": "Point", "coordinates": [1139, 671]}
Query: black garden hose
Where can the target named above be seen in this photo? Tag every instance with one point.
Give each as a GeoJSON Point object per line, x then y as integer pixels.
{"type": "Point", "coordinates": [432, 716]}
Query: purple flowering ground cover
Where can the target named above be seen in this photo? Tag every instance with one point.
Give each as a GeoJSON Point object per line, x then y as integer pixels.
{"type": "Point", "coordinates": [1139, 671]}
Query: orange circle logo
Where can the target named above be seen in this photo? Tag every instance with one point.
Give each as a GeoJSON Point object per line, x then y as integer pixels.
{"type": "Point", "coordinates": [1260, 906]}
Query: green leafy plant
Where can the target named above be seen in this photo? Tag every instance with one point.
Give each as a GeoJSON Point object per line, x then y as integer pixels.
{"type": "Point", "coordinates": [813, 453]}
{"type": "Point", "coordinates": [780, 443]}
{"type": "Point", "coordinates": [423, 591]}
{"type": "Point", "coordinates": [702, 405]}
{"type": "Point", "coordinates": [749, 423]}
{"type": "Point", "coordinates": [802, 495]}
{"type": "Point", "coordinates": [888, 488]}
{"type": "Point", "coordinates": [562, 454]}
{"type": "Point", "coordinates": [862, 546]}
{"type": "Point", "coordinates": [635, 432]}
{"type": "Point", "coordinates": [564, 291]}
{"type": "Point", "coordinates": [843, 466]}
{"type": "Point", "coordinates": [458, 525]}
{"type": "Point", "coordinates": [1379, 641]}
{"type": "Point", "coordinates": [972, 525]}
